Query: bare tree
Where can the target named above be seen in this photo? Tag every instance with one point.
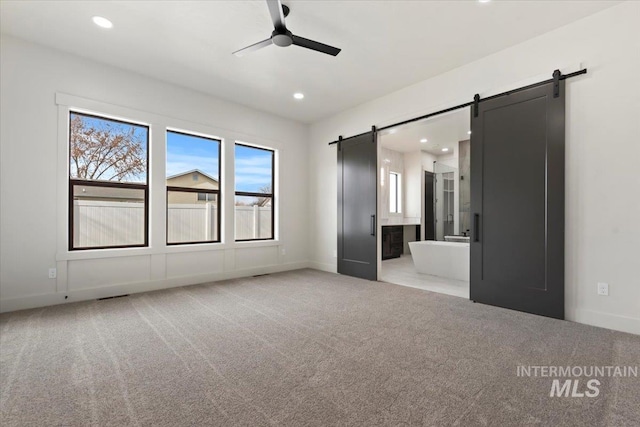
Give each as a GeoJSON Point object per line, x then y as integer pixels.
{"type": "Point", "coordinates": [264, 201]}
{"type": "Point", "coordinates": [106, 152]}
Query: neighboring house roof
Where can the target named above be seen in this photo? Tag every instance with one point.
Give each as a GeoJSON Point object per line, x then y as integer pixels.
{"type": "Point", "coordinates": [194, 178]}
{"type": "Point", "coordinates": [190, 172]}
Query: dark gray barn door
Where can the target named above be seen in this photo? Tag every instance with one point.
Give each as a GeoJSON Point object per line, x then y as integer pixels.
{"type": "Point", "coordinates": [517, 201]}
{"type": "Point", "coordinates": [357, 201]}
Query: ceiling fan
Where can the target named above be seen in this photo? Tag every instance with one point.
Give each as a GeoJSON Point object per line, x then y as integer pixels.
{"type": "Point", "coordinates": [283, 37]}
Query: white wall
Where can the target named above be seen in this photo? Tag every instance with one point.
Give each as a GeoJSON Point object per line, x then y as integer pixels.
{"type": "Point", "coordinates": [602, 152]}
{"type": "Point", "coordinates": [413, 182]}
{"type": "Point", "coordinates": [427, 160]}
{"type": "Point", "coordinates": [390, 161]}
{"type": "Point", "coordinates": [38, 84]}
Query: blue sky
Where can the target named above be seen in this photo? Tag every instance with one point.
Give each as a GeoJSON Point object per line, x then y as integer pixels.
{"type": "Point", "coordinates": [187, 152]}
{"type": "Point", "coordinates": [253, 167]}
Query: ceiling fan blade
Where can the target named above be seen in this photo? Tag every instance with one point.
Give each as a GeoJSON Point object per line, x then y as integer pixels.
{"type": "Point", "coordinates": [317, 46]}
{"type": "Point", "coordinates": [253, 47]}
{"type": "Point", "coordinates": [277, 14]}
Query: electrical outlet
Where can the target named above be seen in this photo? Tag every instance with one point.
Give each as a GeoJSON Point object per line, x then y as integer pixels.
{"type": "Point", "coordinates": [603, 289]}
{"type": "Point", "coordinates": [283, 251]}
{"type": "Point", "coordinates": [53, 273]}
{"type": "Point", "coordinates": [335, 253]}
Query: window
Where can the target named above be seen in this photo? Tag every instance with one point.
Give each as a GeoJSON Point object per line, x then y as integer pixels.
{"type": "Point", "coordinates": [395, 193]}
{"type": "Point", "coordinates": [108, 183]}
{"type": "Point", "coordinates": [254, 201]}
{"type": "Point", "coordinates": [206, 197]}
{"type": "Point", "coordinates": [193, 189]}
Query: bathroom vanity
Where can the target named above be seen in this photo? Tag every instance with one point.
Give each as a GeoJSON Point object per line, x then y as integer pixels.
{"type": "Point", "coordinates": [392, 241]}
{"type": "Point", "coordinates": [396, 235]}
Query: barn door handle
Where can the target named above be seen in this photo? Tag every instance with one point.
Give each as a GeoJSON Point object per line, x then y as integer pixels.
{"type": "Point", "coordinates": [373, 225]}
{"type": "Point", "coordinates": [476, 227]}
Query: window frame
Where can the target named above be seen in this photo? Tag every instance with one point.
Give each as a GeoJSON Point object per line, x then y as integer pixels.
{"type": "Point", "coordinates": [253, 194]}
{"type": "Point", "coordinates": [108, 184]}
{"type": "Point", "coordinates": [217, 192]}
{"type": "Point", "coordinates": [398, 191]}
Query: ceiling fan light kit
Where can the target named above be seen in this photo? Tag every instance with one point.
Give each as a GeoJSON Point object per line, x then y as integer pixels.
{"type": "Point", "coordinates": [282, 37]}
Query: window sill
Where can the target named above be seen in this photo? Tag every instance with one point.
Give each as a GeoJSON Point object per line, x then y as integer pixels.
{"type": "Point", "coordinates": [256, 243]}
{"type": "Point", "coordinates": [104, 253]}
{"type": "Point", "coordinates": [198, 247]}
{"type": "Point", "coordinates": [161, 250]}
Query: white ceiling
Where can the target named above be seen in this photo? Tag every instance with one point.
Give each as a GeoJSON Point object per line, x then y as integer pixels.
{"type": "Point", "coordinates": [442, 131]}
{"type": "Point", "coordinates": [386, 45]}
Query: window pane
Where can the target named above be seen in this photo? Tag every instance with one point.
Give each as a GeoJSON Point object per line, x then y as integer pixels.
{"type": "Point", "coordinates": [107, 216]}
{"type": "Point", "coordinates": [398, 193]}
{"type": "Point", "coordinates": [192, 161]}
{"type": "Point", "coordinates": [253, 218]}
{"type": "Point", "coordinates": [107, 150]}
{"type": "Point", "coordinates": [190, 219]}
{"type": "Point", "coordinates": [254, 169]}
{"type": "Point", "coordinates": [207, 197]}
{"type": "Point", "coordinates": [393, 192]}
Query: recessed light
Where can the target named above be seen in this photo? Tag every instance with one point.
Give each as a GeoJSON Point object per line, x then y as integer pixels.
{"type": "Point", "coordinates": [445, 149]}
{"type": "Point", "coordinates": [393, 131]}
{"type": "Point", "coordinates": [484, 1]}
{"type": "Point", "coordinates": [102, 22]}
{"type": "Point", "coordinates": [469, 133]}
{"type": "Point", "coordinates": [298, 95]}
{"type": "Point", "coordinates": [423, 140]}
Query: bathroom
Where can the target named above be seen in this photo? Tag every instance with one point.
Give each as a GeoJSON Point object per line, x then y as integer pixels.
{"type": "Point", "coordinates": [424, 204]}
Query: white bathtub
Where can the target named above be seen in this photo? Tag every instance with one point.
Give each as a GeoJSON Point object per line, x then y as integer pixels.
{"type": "Point", "coordinates": [444, 259]}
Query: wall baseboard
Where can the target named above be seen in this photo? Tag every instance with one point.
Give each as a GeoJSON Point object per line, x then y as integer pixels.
{"type": "Point", "coordinates": [588, 317]}
{"type": "Point", "coordinates": [330, 268]}
{"type": "Point", "coordinates": [77, 295]}
{"type": "Point", "coordinates": [630, 325]}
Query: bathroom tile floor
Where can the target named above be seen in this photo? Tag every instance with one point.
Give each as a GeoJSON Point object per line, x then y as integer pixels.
{"type": "Point", "coordinates": [401, 271]}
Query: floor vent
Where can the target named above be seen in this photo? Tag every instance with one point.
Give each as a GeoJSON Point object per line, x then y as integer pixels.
{"type": "Point", "coordinates": [117, 296]}
{"type": "Point", "coordinates": [260, 275]}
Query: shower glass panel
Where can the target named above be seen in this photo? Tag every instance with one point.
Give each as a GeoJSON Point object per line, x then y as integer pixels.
{"type": "Point", "coordinates": [445, 200]}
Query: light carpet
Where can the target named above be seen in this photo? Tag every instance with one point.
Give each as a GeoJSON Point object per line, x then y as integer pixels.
{"type": "Point", "coordinates": [301, 348]}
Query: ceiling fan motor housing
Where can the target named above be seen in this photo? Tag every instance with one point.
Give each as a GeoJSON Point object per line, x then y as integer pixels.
{"type": "Point", "coordinates": [282, 39]}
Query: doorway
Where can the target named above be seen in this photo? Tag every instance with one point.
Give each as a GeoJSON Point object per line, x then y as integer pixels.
{"type": "Point", "coordinates": [424, 244]}
{"type": "Point", "coordinates": [516, 171]}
